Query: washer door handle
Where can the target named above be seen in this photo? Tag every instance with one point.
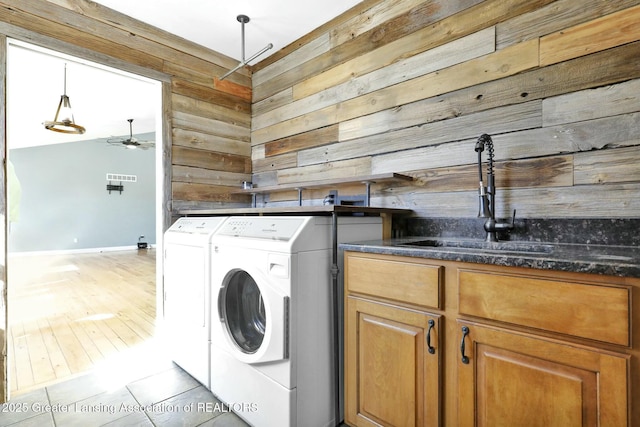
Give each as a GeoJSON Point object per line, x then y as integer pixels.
{"type": "Point", "coordinates": [287, 330]}
{"type": "Point", "coordinates": [221, 313]}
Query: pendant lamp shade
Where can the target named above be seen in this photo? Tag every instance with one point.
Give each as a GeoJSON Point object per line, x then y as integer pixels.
{"type": "Point", "coordinates": [63, 121]}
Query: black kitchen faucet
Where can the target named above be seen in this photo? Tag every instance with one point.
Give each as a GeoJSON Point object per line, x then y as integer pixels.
{"type": "Point", "coordinates": [487, 194]}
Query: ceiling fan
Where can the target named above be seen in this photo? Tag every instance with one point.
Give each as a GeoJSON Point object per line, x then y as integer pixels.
{"type": "Point", "coordinates": [131, 142]}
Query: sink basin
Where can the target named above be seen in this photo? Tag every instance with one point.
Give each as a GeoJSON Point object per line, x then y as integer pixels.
{"type": "Point", "coordinates": [521, 247]}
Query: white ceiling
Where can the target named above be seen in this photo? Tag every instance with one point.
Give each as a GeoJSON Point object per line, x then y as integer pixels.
{"type": "Point", "coordinates": [103, 99]}
{"type": "Point", "coordinates": [213, 23]}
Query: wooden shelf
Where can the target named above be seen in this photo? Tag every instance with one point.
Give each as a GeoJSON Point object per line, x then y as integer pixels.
{"type": "Point", "coordinates": [368, 179]}
{"type": "Point", "coordinates": [329, 209]}
{"type": "Point", "coordinates": [295, 210]}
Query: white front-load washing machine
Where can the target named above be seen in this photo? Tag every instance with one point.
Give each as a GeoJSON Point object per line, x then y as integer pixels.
{"type": "Point", "coordinates": [272, 350]}
{"type": "Point", "coordinates": [187, 294]}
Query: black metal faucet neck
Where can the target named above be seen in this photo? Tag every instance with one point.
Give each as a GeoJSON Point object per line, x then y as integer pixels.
{"type": "Point", "coordinates": [487, 193]}
{"type": "Point", "coordinates": [485, 203]}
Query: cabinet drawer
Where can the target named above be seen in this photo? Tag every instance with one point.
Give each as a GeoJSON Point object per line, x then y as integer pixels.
{"type": "Point", "coordinates": [395, 279]}
{"type": "Point", "coordinates": [597, 312]}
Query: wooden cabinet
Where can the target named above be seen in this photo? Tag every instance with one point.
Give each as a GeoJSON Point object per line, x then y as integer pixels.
{"type": "Point", "coordinates": [511, 346]}
{"type": "Point", "coordinates": [392, 352]}
{"type": "Point", "coordinates": [550, 382]}
{"type": "Point", "coordinates": [392, 366]}
{"type": "Point", "coordinates": [512, 379]}
{"type": "Point", "coordinates": [596, 311]}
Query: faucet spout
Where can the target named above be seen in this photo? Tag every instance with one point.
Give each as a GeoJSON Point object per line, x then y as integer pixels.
{"type": "Point", "coordinates": [487, 193]}
{"type": "Point", "coordinates": [485, 208]}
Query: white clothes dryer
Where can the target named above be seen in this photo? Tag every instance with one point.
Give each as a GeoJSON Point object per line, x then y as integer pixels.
{"type": "Point", "coordinates": [187, 293]}
{"type": "Point", "coordinates": [272, 355]}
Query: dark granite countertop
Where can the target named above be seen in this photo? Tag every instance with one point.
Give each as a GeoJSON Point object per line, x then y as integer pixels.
{"type": "Point", "coordinates": [610, 260]}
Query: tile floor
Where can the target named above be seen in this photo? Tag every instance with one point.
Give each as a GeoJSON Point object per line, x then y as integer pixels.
{"type": "Point", "coordinates": [132, 391]}
{"type": "Point", "coordinates": [137, 388]}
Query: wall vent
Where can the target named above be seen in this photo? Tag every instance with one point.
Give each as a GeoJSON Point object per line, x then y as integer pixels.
{"type": "Point", "coordinates": [121, 177]}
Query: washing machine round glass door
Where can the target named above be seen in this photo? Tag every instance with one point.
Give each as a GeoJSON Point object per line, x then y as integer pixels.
{"type": "Point", "coordinates": [248, 312]}
{"type": "Point", "coordinates": [243, 310]}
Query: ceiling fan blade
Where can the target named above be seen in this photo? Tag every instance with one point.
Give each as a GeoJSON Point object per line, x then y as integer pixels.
{"type": "Point", "coordinates": [131, 142]}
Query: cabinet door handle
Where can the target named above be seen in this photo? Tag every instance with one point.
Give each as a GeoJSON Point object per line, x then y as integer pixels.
{"type": "Point", "coordinates": [432, 323]}
{"type": "Point", "coordinates": [465, 332]}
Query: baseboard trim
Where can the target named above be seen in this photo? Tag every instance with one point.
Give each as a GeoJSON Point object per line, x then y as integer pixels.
{"type": "Point", "coordinates": [77, 251]}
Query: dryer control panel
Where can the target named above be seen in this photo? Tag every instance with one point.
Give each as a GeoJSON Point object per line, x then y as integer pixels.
{"type": "Point", "coordinates": [271, 228]}
{"type": "Point", "coordinates": [194, 225]}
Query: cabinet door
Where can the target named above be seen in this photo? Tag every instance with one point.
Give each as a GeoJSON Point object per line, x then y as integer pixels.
{"type": "Point", "coordinates": [511, 379]}
{"type": "Point", "coordinates": [392, 370]}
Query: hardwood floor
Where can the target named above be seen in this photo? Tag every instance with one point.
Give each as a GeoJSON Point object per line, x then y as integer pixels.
{"type": "Point", "coordinates": [68, 313]}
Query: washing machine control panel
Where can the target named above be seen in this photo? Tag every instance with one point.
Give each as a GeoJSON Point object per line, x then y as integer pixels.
{"type": "Point", "coordinates": [272, 228]}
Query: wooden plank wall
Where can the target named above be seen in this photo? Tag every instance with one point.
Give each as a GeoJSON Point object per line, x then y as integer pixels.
{"type": "Point", "coordinates": [409, 86]}
{"type": "Point", "coordinates": [208, 120]}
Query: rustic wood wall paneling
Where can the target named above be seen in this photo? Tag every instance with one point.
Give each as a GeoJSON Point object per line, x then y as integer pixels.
{"type": "Point", "coordinates": [209, 142]}
{"type": "Point", "coordinates": [607, 166]}
{"type": "Point", "coordinates": [345, 168]}
{"type": "Point", "coordinates": [370, 61]}
{"type": "Point", "coordinates": [202, 108]}
{"type": "Point", "coordinates": [554, 17]}
{"type": "Point", "coordinates": [386, 32]}
{"type": "Point", "coordinates": [565, 129]}
{"type": "Point", "coordinates": [603, 33]}
{"type": "Point", "coordinates": [273, 164]}
{"type": "Point", "coordinates": [307, 38]}
{"type": "Point", "coordinates": [389, 147]}
{"type": "Point", "coordinates": [203, 124]}
{"type": "Point", "coordinates": [347, 106]}
{"type": "Point", "coordinates": [509, 174]}
{"type": "Point", "coordinates": [4, 313]}
{"type": "Point", "coordinates": [196, 175]}
{"type": "Point", "coordinates": [217, 196]}
{"type": "Point", "coordinates": [212, 96]}
{"type": "Point", "coordinates": [208, 117]}
{"type": "Point", "coordinates": [166, 207]}
{"type": "Point", "coordinates": [585, 201]}
{"type": "Point", "coordinates": [537, 84]}
{"type": "Point", "coordinates": [314, 138]}
{"type": "Point", "coordinates": [586, 104]}
{"type": "Point", "coordinates": [400, 71]}
{"type": "Point", "coordinates": [279, 99]}
{"type": "Point", "coordinates": [210, 160]}
{"type": "Point", "coordinates": [374, 16]}
{"type": "Point", "coordinates": [178, 46]}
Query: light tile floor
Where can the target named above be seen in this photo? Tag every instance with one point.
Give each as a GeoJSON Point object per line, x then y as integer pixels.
{"type": "Point", "coordinates": [136, 390]}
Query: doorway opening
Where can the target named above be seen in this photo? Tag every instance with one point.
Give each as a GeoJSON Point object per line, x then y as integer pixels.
{"type": "Point", "coordinates": [83, 216]}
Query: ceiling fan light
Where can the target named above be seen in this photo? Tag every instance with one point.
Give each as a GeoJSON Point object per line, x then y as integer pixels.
{"type": "Point", "coordinates": [130, 142]}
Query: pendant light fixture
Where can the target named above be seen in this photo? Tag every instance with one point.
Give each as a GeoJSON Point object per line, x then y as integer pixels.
{"type": "Point", "coordinates": [63, 121]}
{"type": "Point", "coordinates": [243, 19]}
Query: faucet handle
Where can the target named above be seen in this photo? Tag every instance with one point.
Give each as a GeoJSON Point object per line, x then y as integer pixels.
{"type": "Point", "coordinates": [513, 219]}
{"type": "Point", "coordinates": [509, 225]}
{"type": "Point", "coordinates": [492, 225]}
